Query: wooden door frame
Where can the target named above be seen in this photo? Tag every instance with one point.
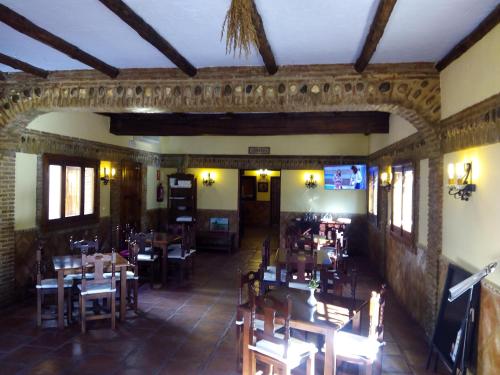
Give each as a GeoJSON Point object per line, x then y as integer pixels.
{"type": "Point", "coordinates": [271, 199]}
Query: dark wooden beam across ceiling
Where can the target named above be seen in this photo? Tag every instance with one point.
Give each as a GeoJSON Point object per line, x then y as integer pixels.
{"type": "Point", "coordinates": [21, 65]}
{"type": "Point", "coordinates": [190, 124]}
{"type": "Point", "coordinates": [264, 46]}
{"type": "Point", "coordinates": [25, 26]}
{"type": "Point", "coordinates": [127, 15]}
{"type": "Point", "coordinates": [377, 29]}
{"type": "Point", "coordinates": [477, 34]}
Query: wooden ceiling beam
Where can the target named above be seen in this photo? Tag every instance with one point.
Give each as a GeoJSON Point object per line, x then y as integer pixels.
{"type": "Point", "coordinates": [25, 26]}
{"type": "Point", "coordinates": [191, 124]}
{"type": "Point", "coordinates": [264, 47]}
{"type": "Point", "coordinates": [375, 33]}
{"type": "Point", "coordinates": [21, 65]}
{"type": "Point", "coordinates": [477, 34]}
{"type": "Point", "coordinates": [127, 15]}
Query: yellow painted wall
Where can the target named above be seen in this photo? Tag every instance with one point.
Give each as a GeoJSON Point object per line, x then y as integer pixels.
{"type": "Point", "coordinates": [338, 144]}
{"type": "Point", "coordinates": [25, 195]}
{"type": "Point", "coordinates": [223, 194]}
{"type": "Point", "coordinates": [473, 77]}
{"type": "Point", "coordinates": [104, 199]}
{"type": "Point", "coordinates": [399, 128]}
{"type": "Point", "coordinates": [471, 235]}
{"type": "Point", "coordinates": [423, 203]}
{"type": "Point", "coordinates": [263, 196]}
{"type": "Point", "coordinates": [85, 125]}
{"type": "Point", "coordinates": [295, 197]}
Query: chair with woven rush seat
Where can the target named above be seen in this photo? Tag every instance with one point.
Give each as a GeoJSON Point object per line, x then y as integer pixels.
{"type": "Point", "coordinates": [98, 287]}
{"type": "Point", "coordinates": [364, 350]}
{"type": "Point", "coordinates": [48, 286]}
{"type": "Point", "coordinates": [269, 272]}
{"type": "Point", "coordinates": [275, 350]}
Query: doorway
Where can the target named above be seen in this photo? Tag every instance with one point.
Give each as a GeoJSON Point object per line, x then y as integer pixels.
{"type": "Point", "coordinates": [131, 194]}
{"type": "Point", "coordinates": [259, 203]}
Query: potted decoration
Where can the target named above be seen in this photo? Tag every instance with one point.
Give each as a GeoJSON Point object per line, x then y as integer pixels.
{"type": "Point", "coordinates": [313, 285]}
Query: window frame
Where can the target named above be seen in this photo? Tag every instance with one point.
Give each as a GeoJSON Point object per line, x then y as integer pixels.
{"type": "Point", "coordinates": [399, 231]}
{"type": "Point", "coordinates": [371, 216]}
{"type": "Point", "coordinates": [69, 161]}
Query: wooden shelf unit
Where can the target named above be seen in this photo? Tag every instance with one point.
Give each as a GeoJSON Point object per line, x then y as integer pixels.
{"type": "Point", "coordinates": [181, 197]}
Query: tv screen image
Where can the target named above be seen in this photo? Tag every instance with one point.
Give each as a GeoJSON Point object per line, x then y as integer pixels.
{"type": "Point", "coordinates": [345, 177]}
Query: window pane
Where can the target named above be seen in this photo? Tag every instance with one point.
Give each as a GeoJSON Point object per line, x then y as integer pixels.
{"type": "Point", "coordinates": [88, 204]}
{"type": "Point", "coordinates": [397, 199]}
{"type": "Point", "coordinates": [55, 172]}
{"type": "Point", "coordinates": [407, 215]}
{"type": "Point", "coordinates": [73, 193]}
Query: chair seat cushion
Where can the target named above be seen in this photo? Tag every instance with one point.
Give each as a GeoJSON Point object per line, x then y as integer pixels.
{"type": "Point", "coordinates": [270, 274]}
{"type": "Point", "coordinates": [176, 253]}
{"type": "Point", "coordinates": [104, 287]}
{"type": "Point", "coordinates": [130, 275]}
{"type": "Point", "coordinates": [78, 276]}
{"type": "Point", "coordinates": [52, 284]}
{"type": "Point", "coordinates": [146, 257]}
{"type": "Point", "coordinates": [356, 346]}
{"type": "Point", "coordinates": [297, 350]}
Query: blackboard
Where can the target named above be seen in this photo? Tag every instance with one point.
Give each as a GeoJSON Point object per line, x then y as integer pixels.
{"type": "Point", "coordinates": [450, 319]}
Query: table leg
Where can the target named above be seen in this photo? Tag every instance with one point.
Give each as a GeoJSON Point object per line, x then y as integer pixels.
{"type": "Point", "coordinates": [123, 293]}
{"type": "Point", "coordinates": [60, 299]}
{"type": "Point", "coordinates": [330, 360]}
{"type": "Point", "coordinates": [247, 366]}
{"type": "Point", "coordinates": [164, 257]}
{"type": "Point", "coordinates": [356, 322]}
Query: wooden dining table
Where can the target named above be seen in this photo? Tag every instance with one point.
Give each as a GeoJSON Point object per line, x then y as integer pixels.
{"type": "Point", "coordinates": [162, 240]}
{"type": "Point", "coordinates": [330, 314]}
{"type": "Point", "coordinates": [71, 264]}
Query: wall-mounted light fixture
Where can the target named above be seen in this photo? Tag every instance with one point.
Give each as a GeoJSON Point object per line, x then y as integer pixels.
{"type": "Point", "coordinates": [106, 172]}
{"type": "Point", "coordinates": [459, 181]}
{"type": "Point", "coordinates": [263, 173]}
{"type": "Point", "coordinates": [207, 179]}
{"type": "Point", "coordinates": [386, 181]}
{"type": "Point", "coordinates": [311, 182]}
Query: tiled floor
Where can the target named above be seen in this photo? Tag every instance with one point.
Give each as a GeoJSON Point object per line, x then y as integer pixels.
{"type": "Point", "coordinates": [179, 330]}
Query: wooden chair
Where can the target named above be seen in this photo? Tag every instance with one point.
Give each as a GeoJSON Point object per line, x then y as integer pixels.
{"type": "Point", "coordinates": [304, 272]}
{"type": "Point", "coordinates": [48, 286]}
{"type": "Point", "coordinates": [122, 239]}
{"type": "Point", "coordinates": [146, 256]}
{"type": "Point", "coordinates": [89, 247]}
{"type": "Point", "coordinates": [182, 254]}
{"type": "Point", "coordinates": [333, 281]}
{"type": "Point", "coordinates": [269, 272]}
{"type": "Point", "coordinates": [246, 291]}
{"type": "Point", "coordinates": [98, 287]}
{"type": "Point", "coordinates": [364, 350]}
{"type": "Point", "coordinates": [132, 275]}
{"type": "Point", "coordinates": [278, 351]}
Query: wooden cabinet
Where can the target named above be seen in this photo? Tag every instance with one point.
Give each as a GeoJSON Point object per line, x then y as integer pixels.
{"type": "Point", "coordinates": [181, 198]}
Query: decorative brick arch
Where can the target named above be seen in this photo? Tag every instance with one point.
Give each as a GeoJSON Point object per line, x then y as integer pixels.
{"type": "Point", "coordinates": [414, 96]}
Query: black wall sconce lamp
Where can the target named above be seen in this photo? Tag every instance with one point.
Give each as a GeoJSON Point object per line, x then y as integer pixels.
{"type": "Point", "coordinates": [459, 182]}
{"type": "Point", "coordinates": [385, 181]}
{"type": "Point", "coordinates": [263, 173]}
{"type": "Point", "coordinates": [208, 180]}
{"type": "Point", "coordinates": [311, 182]}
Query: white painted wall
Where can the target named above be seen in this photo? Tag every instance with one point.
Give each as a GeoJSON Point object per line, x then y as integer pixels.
{"type": "Point", "coordinates": [295, 197]}
{"type": "Point", "coordinates": [399, 128]}
{"type": "Point", "coordinates": [338, 144]}
{"type": "Point", "coordinates": [223, 194]}
{"type": "Point", "coordinates": [473, 77]}
{"type": "Point", "coordinates": [25, 195]}
{"type": "Point", "coordinates": [471, 235]}
{"type": "Point", "coordinates": [423, 203]}
{"type": "Point", "coordinates": [85, 125]}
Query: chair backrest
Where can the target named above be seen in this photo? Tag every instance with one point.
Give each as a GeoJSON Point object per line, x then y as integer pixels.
{"type": "Point", "coordinates": [122, 236]}
{"type": "Point", "coordinates": [338, 280]}
{"type": "Point", "coordinates": [377, 306]}
{"type": "Point", "coordinates": [266, 252]}
{"type": "Point", "coordinates": [248, 281]}
{"type": "Point", "coordinates": [84, 246]}
{"type": "Point", "coordinates": [133, 252]}
{"type": "Point", "coordinates": [142, 239]}
{"type": "Point", "coordinates": [98, 262]}
{"type": "Point", "coordinates": [306, 264]}
{"type": "Point", "coordinates": [271, 308]}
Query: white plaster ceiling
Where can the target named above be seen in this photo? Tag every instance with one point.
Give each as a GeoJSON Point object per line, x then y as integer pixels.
{"type": "Point", "coordinates": [300, 32]}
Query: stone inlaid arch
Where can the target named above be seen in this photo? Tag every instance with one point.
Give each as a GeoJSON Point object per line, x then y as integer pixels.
{"type": "Point", "coordinates": [414, 96]}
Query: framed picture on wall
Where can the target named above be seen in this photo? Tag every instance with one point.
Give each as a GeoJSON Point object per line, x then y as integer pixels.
{"type": "Point", "coordinates": [262, 187]}
{"type": "Point", "coordinates": [248, 184]}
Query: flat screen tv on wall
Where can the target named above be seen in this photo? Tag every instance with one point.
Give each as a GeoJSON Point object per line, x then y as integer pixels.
{"type": "Point", "coordinates": [345, 177]}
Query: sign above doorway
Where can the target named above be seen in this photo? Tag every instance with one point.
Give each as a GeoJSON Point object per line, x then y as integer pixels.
{"type": "Point", "coordinates": [254, 150]}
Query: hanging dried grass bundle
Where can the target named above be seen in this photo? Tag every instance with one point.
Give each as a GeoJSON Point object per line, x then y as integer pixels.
{"type": "Point", "coordinates": [239, 27]}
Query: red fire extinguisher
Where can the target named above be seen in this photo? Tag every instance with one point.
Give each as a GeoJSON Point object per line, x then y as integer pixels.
{"type": "Point", "coordinates": [160, 192]}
